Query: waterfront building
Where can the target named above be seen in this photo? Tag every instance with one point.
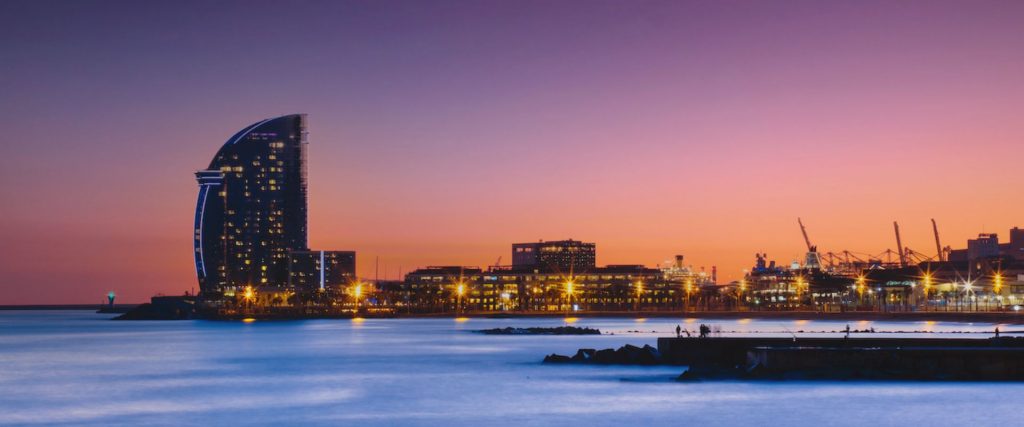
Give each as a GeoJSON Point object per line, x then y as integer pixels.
{"type": "Point", "coordinates": [544, 276]}
{"type": "Point", "coordinates": [563, 256]}
{"type": "Point", "coordinates": [250, 221]}
{"type": "Point", "coordinates": [609, 288]}
{"type": "Point", "coordinates": [1015, 248]}
{"type": "Point", "coordinates": [985, 246]}
{"type": "Point", "coordinates": [437, 288]}
{"type": "Point", "coordinates": [321, 270]}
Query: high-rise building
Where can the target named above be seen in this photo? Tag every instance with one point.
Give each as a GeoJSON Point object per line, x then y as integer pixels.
{"type": "Point", "coordinates": [562, 256]}
{"type": "Point", "coordinates": [251, 210]}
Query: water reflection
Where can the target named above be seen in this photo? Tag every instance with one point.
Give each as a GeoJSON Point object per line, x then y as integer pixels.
{"type": "Point", "coordinates": [80, 369]}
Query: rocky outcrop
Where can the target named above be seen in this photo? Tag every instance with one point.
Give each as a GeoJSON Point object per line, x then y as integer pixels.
{"type": "Point", "coordinates": [625, 355]}
{"type": "Point", "coordinates": [560, 330]}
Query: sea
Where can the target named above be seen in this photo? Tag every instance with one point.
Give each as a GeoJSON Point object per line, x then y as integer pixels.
{"type": "Point", "coordinates": [81, 368]}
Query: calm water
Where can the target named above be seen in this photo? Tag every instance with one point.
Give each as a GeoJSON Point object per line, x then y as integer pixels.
{"type": "Point", "coordinates": [78, 368]}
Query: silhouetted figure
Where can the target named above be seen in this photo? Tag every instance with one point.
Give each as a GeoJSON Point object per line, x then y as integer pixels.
{"type": "Point", "coordinates": [997, 332]}
{"type": "Point", "coordinates": [704, 330]}
{"type": "Point", "coordinates": [679, 330]}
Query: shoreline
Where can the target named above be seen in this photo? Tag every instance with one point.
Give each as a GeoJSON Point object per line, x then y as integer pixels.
{"type": "Point", "coordinates": [118, 308]}
{"type": "Point", "coordinates": [961, 317]}
{"type": "Point", "coordinates": [987, 317]}
{"type": "Point", "coordinates": [916, 316]}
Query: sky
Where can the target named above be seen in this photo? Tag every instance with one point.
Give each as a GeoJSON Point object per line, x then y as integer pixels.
{"type": "Point", "coordinates": [443, 131]}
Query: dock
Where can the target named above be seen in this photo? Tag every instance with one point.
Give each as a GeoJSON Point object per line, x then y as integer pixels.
{"type": "Point", "coordinates": [895, 358]}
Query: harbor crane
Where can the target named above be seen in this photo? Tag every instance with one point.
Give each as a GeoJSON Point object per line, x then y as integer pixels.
{"type": "Point", "coordinates": [938, 246]}
{"type": "Point", "coordinates": [899, 245]}
{"type": "Point", "coordinates": [807, 240]}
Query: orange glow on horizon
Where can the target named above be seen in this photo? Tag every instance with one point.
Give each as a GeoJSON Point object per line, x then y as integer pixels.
{"type": "Point", "coordinates": [706, 138]}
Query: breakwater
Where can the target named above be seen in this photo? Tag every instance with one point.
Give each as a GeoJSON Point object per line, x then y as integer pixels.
{"type": "Point", "coordinates": [558, 330]}
{"type": "Point", "coordinates": [889, 358]}
{"type": "Point", "coordinates": [733, 350]}
{"type": "Point", "coordinates": [906, 363]}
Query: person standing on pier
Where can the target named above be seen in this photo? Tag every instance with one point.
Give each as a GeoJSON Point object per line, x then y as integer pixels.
{"type": "Point", "coordinates": [679, 331]}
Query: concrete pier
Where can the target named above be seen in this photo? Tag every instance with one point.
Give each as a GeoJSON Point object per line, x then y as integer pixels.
{"type": "Point", "coordinates": [915, 363]}
{"type": "Point", "coordinates": [732, 351]}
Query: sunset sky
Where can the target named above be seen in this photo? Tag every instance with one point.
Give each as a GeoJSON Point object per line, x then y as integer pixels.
{"type": "Point", "coordinates": [443, 131]}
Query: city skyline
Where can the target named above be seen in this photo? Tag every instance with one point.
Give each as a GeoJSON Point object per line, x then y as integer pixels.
{"type": "Point", "coordinates": [430, 147]}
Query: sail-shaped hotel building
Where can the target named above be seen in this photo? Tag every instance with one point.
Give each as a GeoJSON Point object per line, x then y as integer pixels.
{"type": "Point", "coordinates": [251, 214]}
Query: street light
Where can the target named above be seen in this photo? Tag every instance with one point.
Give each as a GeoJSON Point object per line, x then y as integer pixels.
{"type": "Point", "coordinates": [248, 296]}
{"type": "Point", "coordinates": [799, 289]}
{"type": "Point", "coordinates": [968, 287]}
{"type": "Point", "coordinates": [505, 296]}
{"type": "Point", "coordinates": [689, 289]}
{"type": "Point", "coordinates": [569, 289]}
{"type": "Point", "coordinates": [639, 292]}
{"type": "Point", "coordinates": [927, 287]}
{"type": "Point", "coordinates": [357, 291]}
{"type": "Point", "coordinates": [460, 290]}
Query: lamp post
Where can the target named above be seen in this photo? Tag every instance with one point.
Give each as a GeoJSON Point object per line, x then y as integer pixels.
{"type": "Point", "coordinates": [249, 296]}
{"type": "Point", "coordinates": [639, 292]}
{"type": "Point", "coordinates": [927, 289]}
{"type": "Point", "coordinates": [569, 289]}
{"type": "Point", "coordinates": [505, 296]}
{"type": "Point", "coordinates": [357, 291]}
{"type": "Point", "coordinates": [799, 291]}
{"type": "Point", "coordinates": [460, 290]}
{"type": "Point", "coordinates": [861, 287]}
{"type": "Point", "coordinates": [739, 294]}
{"type": "Point", "coordinates": [689, 289]}
{"type": "Point", "coordinates": [997, 288]}
{"type": "Point", "coordinates": [967, 294]}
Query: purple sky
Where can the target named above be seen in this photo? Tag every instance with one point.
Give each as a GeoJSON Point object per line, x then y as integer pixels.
{"type": "Point", "coordinates": [441, 132]}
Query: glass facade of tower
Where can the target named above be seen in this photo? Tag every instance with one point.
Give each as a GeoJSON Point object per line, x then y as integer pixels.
{"type": "Point", "coordinates": [251, 210]}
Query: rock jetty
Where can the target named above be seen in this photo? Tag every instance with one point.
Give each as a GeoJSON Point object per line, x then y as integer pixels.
{"type": "Point", "coordinates": [625, 355]}
{"type": "Point", "coordinates": [560, 330]}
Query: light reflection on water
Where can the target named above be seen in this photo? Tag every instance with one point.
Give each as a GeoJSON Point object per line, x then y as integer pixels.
{"type": "Point", "coordinates": [77, 368]}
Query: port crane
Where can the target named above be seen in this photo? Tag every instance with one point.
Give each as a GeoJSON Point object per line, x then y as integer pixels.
{"type": "Point", "coordinates": [807, 240]}
{"type": "Point", "coordinates": [899, 245]}
{"type": "Point", "coordinates": [813, 260]}
{"type": "Point", "coordinates": [940, 253]}
{"type": "Point", "coordinates": [847, 262]}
